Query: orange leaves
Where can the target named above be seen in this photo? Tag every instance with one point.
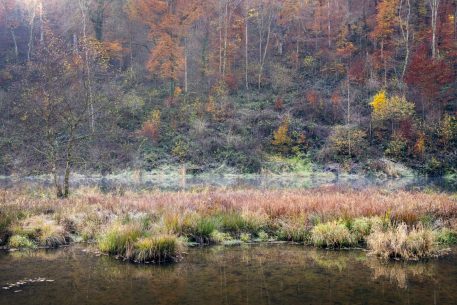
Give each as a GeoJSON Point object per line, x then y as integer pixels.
{"type": "Point", "coordinates": [386, 20]}
{"type": "Point", "coordinates": [167, 58]}
{"type": "Point", "coordinates": [151, 128]}
{"type": "Point", "coordinates": [114, 48]}
{"type": "Point", "coordinates": [312, 97]}
{"type": "Point", "coordinates": [168, 22]}
{"type": "Point", "coordinates": [419, 147]}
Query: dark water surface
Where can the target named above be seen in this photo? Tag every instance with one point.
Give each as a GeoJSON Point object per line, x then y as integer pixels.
{"type": "Point", "coordinates": [250, 274]}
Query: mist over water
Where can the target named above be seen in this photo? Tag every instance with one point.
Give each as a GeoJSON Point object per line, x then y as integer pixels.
{"type": "Point", "coordinates": [174, 182]}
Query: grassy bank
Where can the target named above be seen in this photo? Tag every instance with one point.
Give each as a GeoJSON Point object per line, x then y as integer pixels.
{"type": "Point", "coordinates": [155, 226]}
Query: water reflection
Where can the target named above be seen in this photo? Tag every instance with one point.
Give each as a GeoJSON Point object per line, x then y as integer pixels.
{"type": "Point", "coordinates": [274, 274]}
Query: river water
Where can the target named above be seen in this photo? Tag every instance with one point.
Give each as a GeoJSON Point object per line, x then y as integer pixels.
{"type": "Point", "coordinates": [248, 274]}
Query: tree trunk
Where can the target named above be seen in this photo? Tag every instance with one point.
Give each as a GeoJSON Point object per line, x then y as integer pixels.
{"type": "Point", "coordinates": [30, 43]}
{"type": "Point", "coordinates": [434, 7]}
{"type": "Point", "coordinates": [41, 24]}
{"type": "Point", "coordinates": [13, 36]}
{"type": "Point", "coordinates": [185, 66]}
{"type": "Point", "coordinates": [246, 53]}
{"type": "Point", "coordinates": [265, 47]}
{"type": "Point", "coordinates": [329, 25]}
{"type": "Point", "coordinates": [88, 70]}
{"type": "Point", "coordinates": [405, 33]}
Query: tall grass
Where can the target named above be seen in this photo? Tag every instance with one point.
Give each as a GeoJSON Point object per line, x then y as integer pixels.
{"type": "Point", "coordinates": [132, 242]}
{"type": "Point", "coordinates": [326, 217]}
{"type": "Point", "coordinates": [402, 243]}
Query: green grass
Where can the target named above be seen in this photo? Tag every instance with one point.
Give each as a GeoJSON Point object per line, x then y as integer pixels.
{"type": "Point", "coordinates": [447, 237]}
{"type": "Point", "coordinates": [21, 242]}
{"type": "Point", "coordinates": [132, 242]}
{"type": "Point", "coordinates": [119, 239]}
{"type": "Point", "coordinates": [332, 235]}
{"type": "Point", "coordinates": [158, 249]}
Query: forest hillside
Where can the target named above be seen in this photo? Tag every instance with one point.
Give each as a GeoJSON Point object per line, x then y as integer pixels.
{"type": "Point", "coordinates": [249, 86]}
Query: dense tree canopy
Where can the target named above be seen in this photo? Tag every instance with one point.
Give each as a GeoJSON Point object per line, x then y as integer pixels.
{"type": "Point", "coordinates": [139, 83]}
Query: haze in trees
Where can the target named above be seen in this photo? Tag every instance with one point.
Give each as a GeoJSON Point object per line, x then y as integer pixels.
{"type": "Point", "coordinates": [109, 85]}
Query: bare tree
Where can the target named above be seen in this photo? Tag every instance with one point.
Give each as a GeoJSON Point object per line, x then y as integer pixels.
{"type": "Point", "coordinates": [434, 7]}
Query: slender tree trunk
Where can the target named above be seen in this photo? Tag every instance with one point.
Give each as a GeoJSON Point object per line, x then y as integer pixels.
{"type": "Point", "coordinates": [41, 24]}
{"type": "Point", "coordinates": [68, 164]}
{"type": "Point", "coordinates": [434, 7]}
{"type": "Point", "coordinates": [13, 37]}
{"type": "Point", "coordinates": [384, 62]}
{"type": "Point", "coordinates": [226, 22]}
{"type": "Point", "coordinates": [220, 39]}
{"type": "Point", "coordinates": [88, 70]}
{"type": "Point", "coordinates": [185, 66]}
{"type": "Point", "coordinates": [265, 47]}
{"type": "Point", "coordinates": [246, 53]}
{"type": "Point", "coordinates": [329, 25]}
{"type": "Point", "coordinates": [405, 33]}
{"type": "Point", "coordinates": [349, 115]}
{"type": "Point", "coordinates": [31, 24]}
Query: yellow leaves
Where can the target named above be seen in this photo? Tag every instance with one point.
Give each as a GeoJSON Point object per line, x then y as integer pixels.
{"type": "Point", "coordinates": [379, 101]}
{"type": "Point", "coordinates": [178, 92]}
{"type": "Point", "coordinates": [155, 116]}
{"type": "Point", "coordinates": [419, 147]}
{"type": "Point", "coordinates": [394, 108]}
{"type": "Point", "coordinates": [280, 136]}
{"type": "Point", "coordinates": [252, 13]}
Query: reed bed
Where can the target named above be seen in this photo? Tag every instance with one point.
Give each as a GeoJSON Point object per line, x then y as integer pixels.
{"type": "Point", "coordinates": [325, 217]}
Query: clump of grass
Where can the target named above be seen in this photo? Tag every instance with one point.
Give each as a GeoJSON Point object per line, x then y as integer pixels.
{"type": "Point", "coordinates": [203, 229]}
{"type": "Point", "coordinates": [403, 244]}
{"type": "Point", "coordinates": [263, 236]}
{"type": "Point", "coordinates": [232, 222]}
{"type": "Point", "coordinates": [293, 229]}
{"type": "Point", "coordinates": [361, 227]}
{"type": "Point", "coordinates": [42, 230]}
{"type": "Point", "coordinates": [255, 221]}
{"type": "Point", "coordinates": [219, 237]}
{"type": "Point", "coordinates": [21, 242]}
{"type": "Point", "coordinates": [331, 235]}
{"type": "Point", "coordinates": [119, 239]}
{"type": "Point", "coordinates": [245, 237]}
{"type": "Point", "coordinates": [131, 242]}
{"type": "Point", "coordinates": [447, 237]}
{"type": "Point", "coordinates": [159, 249]}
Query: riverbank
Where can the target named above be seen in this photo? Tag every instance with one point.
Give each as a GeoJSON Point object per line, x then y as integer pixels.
{"type": "Point", "coordinates": [157, 226]}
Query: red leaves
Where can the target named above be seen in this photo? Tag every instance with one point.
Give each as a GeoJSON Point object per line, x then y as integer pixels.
{"type": "Point", "coordinates": [427, 75]}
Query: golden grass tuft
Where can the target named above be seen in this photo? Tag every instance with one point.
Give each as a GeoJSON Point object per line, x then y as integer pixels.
{"type": "Point", "coordinates": [400, 243]}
